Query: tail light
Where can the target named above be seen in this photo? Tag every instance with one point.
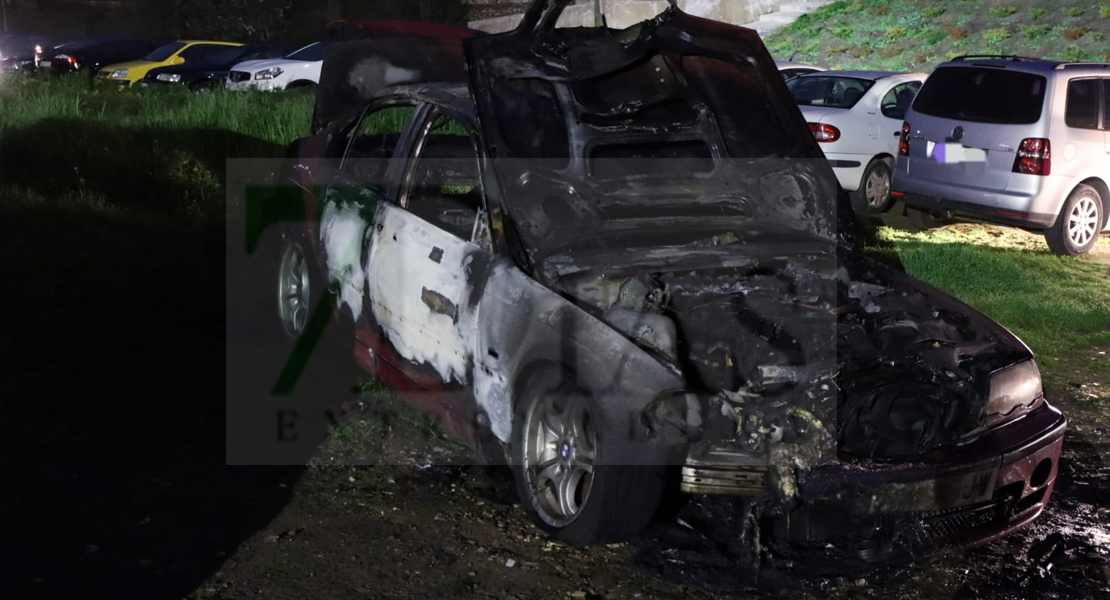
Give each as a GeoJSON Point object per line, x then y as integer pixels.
{"type": "Point", "coordinates": [65, 58]}
{"type": "Point", "coordinates": [904, 140]}
{"type": "Point", "coordinates": [1034, 157]}
{"type": "Point", "coordinates": [824, 133]}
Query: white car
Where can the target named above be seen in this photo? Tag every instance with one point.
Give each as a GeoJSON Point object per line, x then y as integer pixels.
{"type": "Point", "coordinates": [301, 69]}
{"type": "Point", "coordinates": [789, 70]}
{"type": "Point", "coordinates": [857, 118]}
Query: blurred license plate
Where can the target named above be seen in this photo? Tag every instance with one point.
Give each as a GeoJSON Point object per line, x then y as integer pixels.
{"type": "Point", "coordinates": [968, 488]}
{"type": "Point", "coordinates": [44, 64]}
{"type": "Point", "coordinates": [940, 493]}
{"type": "Point", "coordinates": [950, 153]}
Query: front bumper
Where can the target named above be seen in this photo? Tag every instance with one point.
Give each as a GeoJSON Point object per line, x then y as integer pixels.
{"type": "Point", "coordinates": [955, 499]}
{"type": "Point", "coordinates": [121, 83]}
{"type": "Point", "coordinates": [255, 84]}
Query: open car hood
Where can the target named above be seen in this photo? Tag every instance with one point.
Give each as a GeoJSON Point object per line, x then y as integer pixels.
{"type": "Point", "coordinates": [594, 125]}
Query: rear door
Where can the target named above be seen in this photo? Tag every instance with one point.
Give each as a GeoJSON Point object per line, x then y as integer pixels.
{"type": "Point", "coordinates": [968, 123]}
{"type": "Point", "coordinates": [1106, 120]}
{"type": "Point", "coordinates": [347, 200]}
{"type": "Point", "coordinates": [1085, 146]}
{"type": "Point", "coordinates": [892, 111]}
{"type": "Point", "coordinates": [423, 264]}
{"type": "Point", "coordinates": [1106, 133]}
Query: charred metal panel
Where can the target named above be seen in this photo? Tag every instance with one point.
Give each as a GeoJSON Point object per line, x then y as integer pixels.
{"type": "Point", "coordinates": [523, 324]}
{"type": "Point", "coordinates": [421, 304]}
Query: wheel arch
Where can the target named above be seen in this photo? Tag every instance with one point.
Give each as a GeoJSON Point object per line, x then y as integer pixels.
{"type": "Point", "coordinates": [882, 156]}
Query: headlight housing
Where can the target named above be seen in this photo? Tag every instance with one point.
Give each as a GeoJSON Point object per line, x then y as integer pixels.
{"type": "Point", "coordinates": [119, 74]}
{"type": "Point", "coordinates": [169, 77]}
{"type": "Point", "coordinates": [270, 73]}
{"type": "Point", "coordinates": [1013, 387]}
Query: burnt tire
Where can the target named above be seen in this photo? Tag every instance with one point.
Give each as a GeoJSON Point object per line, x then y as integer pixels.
{"type": "Point", "coordinates": [1078, 225]}
{"type": "Point", "coordinates": [873, 196]}
{"type": "Point", "coordinates": [611, 501]}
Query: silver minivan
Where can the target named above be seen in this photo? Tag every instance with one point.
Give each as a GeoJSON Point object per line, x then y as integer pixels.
{"type": "Point", "coordinates": [1014, 141]}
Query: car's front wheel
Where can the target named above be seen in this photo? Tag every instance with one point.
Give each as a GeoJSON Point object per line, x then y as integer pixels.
{"type": "Point", "coordinates": [574, 473]}
{"type": "Point", "coordinates": [873, 196]}
{"type": "Point", "coordinates": [1077, 227]}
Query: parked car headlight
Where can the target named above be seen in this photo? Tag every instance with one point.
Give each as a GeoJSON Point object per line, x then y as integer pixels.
{"type": "Point", "coordinates": [119, 73]}
{"type": "Point", "coordinates": [170, 77]}
{"type": "Point", "coordinates": [268, 73]}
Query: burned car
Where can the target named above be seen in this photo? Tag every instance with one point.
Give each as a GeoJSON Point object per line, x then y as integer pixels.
{"type": "Point", "coordinates": [617, 260]}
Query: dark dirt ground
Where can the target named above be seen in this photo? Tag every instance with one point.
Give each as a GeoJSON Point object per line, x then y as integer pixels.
{"type": "Point", "coordinates": [115, 483]}
{"type": "Point", "coordinates": [394, 511]}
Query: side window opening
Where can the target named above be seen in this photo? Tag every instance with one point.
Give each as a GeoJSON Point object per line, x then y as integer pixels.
{"type": "Point", "coordinates": [1082, 107]}
{"type": "Point", "coordinates": [445, 182]}
{"type": "Point", "coordinates": [898, 100]}
{"type": "Point", "coordinates": [373, 143]}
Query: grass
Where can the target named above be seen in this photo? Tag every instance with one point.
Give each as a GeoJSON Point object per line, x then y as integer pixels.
{"type": "Point", "coordinates": [1002, 11]}
{"type": "Point", "coordinates": [912, 35]}
{"type": "Point", "coordinates": [1054, 304]}
{"type": "Point", "coordinates": [158, 153]}
{"type": "Point", "coordinates": [994, 36]}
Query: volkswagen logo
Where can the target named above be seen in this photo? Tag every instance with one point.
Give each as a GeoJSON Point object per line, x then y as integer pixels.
{"type": "Point", "coordinates": [958, 133]}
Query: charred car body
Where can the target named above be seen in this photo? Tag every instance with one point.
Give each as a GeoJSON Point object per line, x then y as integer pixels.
{"type": "Point", "coordinates": [618, 260]}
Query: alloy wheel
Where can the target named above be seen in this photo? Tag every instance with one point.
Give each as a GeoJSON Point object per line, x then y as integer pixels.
{"type": "Point", "coordinates": [877, 189]}
{"type": "Point", "coordinates": [1083, 222]}
{"type": "Point", "coordinates": [293, 290]}
{"type": "Point", "coordinates": [559, 454]}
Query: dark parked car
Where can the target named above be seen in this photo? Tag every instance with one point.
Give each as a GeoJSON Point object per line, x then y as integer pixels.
{"type": "Point", "coordinates": [212, 70]}
{"type": "Point", "coordinates": [619, 262]}
{"type": "Point", "coordinates": [19, 51]}
{"type": "Point", "coordinates": [89, 55]}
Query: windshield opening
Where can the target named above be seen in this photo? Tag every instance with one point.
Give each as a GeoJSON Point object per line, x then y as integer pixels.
{"type": "Point", "coordinates": [313, 51]}
{"type": "Point", "coordinates": [164, 52]}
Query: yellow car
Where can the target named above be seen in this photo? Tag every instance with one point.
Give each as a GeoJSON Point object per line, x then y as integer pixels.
{"type": "Point", "coordinates": [173, 53]}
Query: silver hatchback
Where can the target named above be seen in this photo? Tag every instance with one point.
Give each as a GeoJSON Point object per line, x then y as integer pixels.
{"type": "Point", "coordinates": [1014, 141]}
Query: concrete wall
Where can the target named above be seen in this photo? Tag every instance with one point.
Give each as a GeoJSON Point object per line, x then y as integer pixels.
{"type": "Point", "coordinates": [624, 13]}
